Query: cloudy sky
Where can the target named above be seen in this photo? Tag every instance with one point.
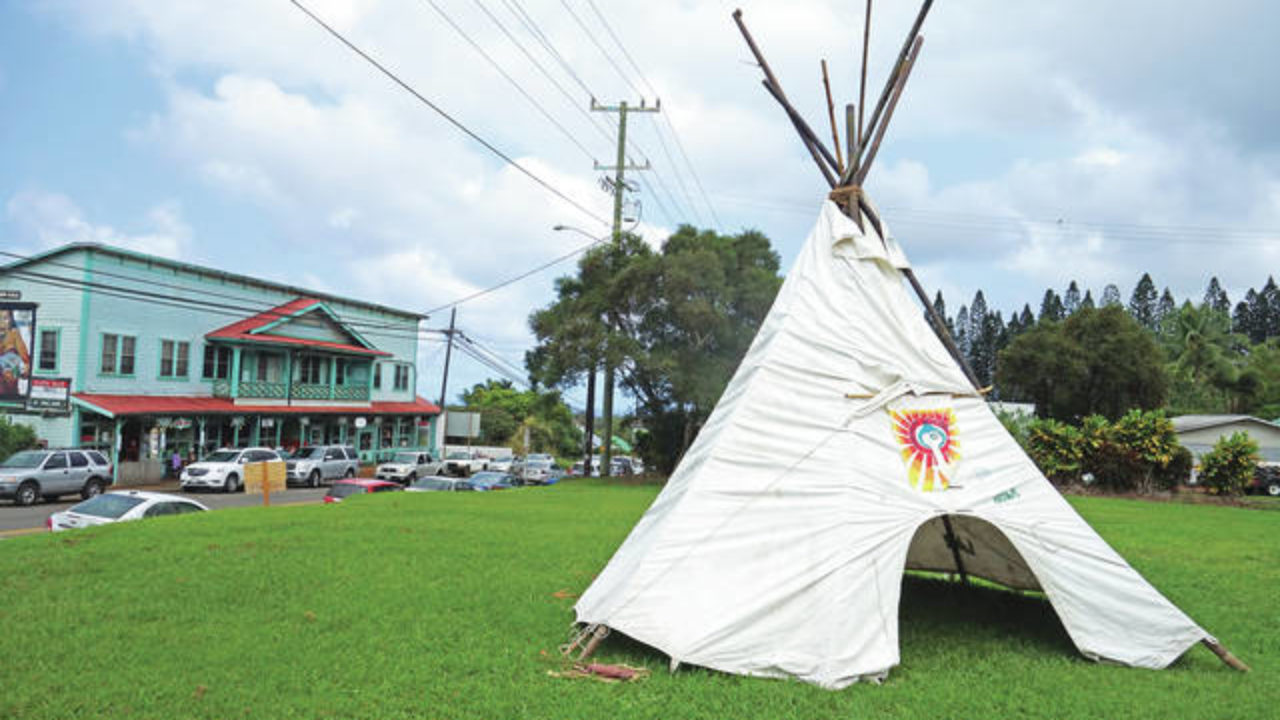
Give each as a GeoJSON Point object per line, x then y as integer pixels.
{"type": "Point", "coordinates": [1037, 142]}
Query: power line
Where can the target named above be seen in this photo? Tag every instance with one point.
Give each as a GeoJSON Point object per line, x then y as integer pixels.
{"type": "Point", "coordinates": [531, 25]}
{"type": "Point", "coordinates": [456, 123]}
{"type": "Point", "coordinates": [630, 141]}
{"type": "Point", "coordinates": [160, 300]}
{"type": "Point", "coordinates": [604, 132]}
{"type": "Point", "coordinates": [521, 276]}
{"type": "Point", "coordinates": [679, 144]}
{"type": "Point", "coordinates": [514, 83]}
{"type": "Point", "coordinates": [600, 47]}
{"type": "Point", "coordinates": [252, 305]}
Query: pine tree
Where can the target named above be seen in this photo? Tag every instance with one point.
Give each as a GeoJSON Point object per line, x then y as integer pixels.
{"type": "Point", "coordinates": [1051, 309]}
{"type": "Point", "coordinates": [1246, 317]}
{"type": "Point", "coordinates": [1026, 319]}
{"type": "Point", "coordinates": [1087, 302]}
{"type": "Point", "coordinates": [1269, 309]}
{"type": "Point", "coordinates": [940, 307]}
{"type": "Point", "coordinates": [1110, 295]}
{"type": "Point", "coordinates": [978, 349]}
{"type": "Point", "coordinates": [1071, 299]}
{"type": "Point", "coordinates": [1166, 309]}
{"type": "Point", "coordinates": [1216, 298]}
{"type": "Point", "coordinates": [1142, 304]}
{"type": "Point", "coordinates": [962, 330]}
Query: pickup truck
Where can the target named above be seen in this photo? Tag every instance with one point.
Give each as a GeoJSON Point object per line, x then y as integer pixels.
{"type": "Point", "coordinates": [460, 463]}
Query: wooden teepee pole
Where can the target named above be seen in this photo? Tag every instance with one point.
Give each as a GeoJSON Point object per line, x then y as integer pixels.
{"type": "Point", "coordinates": [1224, 654]}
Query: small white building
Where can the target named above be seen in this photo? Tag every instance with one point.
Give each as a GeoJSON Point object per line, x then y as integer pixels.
{"type": "Point", "coordinates": [1198, 433]}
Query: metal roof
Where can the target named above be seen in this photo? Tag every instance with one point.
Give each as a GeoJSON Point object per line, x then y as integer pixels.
{"type": "Point", "coordinates": [210, 272]}
{"type": "Point", "coordinates": [1187, 423]}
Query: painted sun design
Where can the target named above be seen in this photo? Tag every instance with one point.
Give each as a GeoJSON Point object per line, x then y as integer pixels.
{"type": "Point", "coordinates": [929, 446]}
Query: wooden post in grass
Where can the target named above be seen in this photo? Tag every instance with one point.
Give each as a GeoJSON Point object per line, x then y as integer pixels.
{"type": "Point", "coordinates": [1225, 655]}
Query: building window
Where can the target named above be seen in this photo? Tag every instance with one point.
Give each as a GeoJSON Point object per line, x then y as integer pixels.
{"type": "Point", "coordinates": [217, 363]}
{"type": "Point", "coordinates": [48, 351]}
{"type": "Point", "coordinates": [402, 377]}
{"type": "Point", "coordinates": [340, 372]}
{"type": "Point", "coordinates": [311, 370]}
{"type": "Point", "coordinates": [118, 354]}
{"type": "Point", "coordinates": [174, 356]}
{"type": "Point", "coordinates": [377, 376]}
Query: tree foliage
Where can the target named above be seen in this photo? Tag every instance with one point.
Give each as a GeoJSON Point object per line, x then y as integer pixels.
{"type": "Point", "coordinates": [1229, 466]}
{"type": "Point", "coordinates": [680, 321]}
{"type": "Point", "coordinates": [1097, 361]}
{"type": "Point", "coordinates": [14, 437]}
{"type": "Point", "coordinates": [509, 414]}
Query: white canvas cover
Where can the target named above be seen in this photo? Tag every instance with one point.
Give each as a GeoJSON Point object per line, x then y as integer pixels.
{"type": "Point", "coordinates": [777, 547]}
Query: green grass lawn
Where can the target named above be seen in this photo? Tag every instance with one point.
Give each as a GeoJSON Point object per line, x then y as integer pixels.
{"type": "Point", "coordinates": [445, 606]}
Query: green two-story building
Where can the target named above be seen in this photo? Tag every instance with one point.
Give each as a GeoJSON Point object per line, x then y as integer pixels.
{"type": "Point", "coordinates": [163, 356]}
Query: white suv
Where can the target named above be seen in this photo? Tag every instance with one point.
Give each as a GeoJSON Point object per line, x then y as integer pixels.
{"type": "Point", "coordinates": [224, 469]}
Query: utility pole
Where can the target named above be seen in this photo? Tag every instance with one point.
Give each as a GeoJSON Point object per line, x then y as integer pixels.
{"type": "Point", "coordinates": [619, 188]}
{"type": "Point", "coordinates": [444, 384]}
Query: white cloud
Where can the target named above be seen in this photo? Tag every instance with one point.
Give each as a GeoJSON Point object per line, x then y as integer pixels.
{"type": "Point", "coordinates": [46, 220]}
{"type": "Point", "coordinates": [1017, 116]}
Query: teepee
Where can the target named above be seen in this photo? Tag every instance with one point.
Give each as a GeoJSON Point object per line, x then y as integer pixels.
{"type": "Point", "coordinates": [850, 444]}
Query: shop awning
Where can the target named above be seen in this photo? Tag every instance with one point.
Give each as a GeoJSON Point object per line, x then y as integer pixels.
{"type": "Point", "coordinates": [180, 405]}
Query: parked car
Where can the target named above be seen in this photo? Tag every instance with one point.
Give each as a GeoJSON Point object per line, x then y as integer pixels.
{"type": "Point", "coordinates": [346, 488]}
{"type": "Point", "coordinates": [311, 465]}
{"type": "Point", "coordinates": [29, 475]}
{"type": "Point", "coordinates": [494, 481]}
{"type": "Point", "coordinates": [579, 468]}
{"type": "Point", "coordinates": [536, 472]}
{"type": "Point", "coordinates": [1266, 479]}
{"type": "Point", "coordinates": [223, 469]}
{"type": "Point", "coordinates": [621, 466]}
{"type": "Point", "coordinates": [502, 464]}
{"type": "Point", "coordinates": [407, 466]}
{"type": "Point", "coordinates": [439, 483]}
{"type": "Point", "coordinates": [461, 463]}
{"type": "Point", "coordinates": [121, 506]}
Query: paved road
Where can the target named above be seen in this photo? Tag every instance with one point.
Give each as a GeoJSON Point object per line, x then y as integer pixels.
{"type": "Point", "coordinates": [15, 520]}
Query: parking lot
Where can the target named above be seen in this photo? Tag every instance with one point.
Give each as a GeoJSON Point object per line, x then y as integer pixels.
{"type": "Point", "coordinates": [16, 520]}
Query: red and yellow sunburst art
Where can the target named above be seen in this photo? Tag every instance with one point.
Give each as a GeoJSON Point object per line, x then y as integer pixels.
{"type": "Point", "coordinates": [929, 445]}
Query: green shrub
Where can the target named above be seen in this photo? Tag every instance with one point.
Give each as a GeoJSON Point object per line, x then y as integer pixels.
{"type": "Point", "coordinates": [1228, 467]}
{"type": "Point", "coordinates": [1055, 447]}
{"type": "Point", "coordinates": [14, 437]}
{"type": "Point", "coordinates": [1177, 472]}
{"type": "Point", "coordinates": [1144, 444]}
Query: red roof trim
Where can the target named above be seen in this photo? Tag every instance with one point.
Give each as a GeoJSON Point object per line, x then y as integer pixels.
{"type": "Point", "coordinates": [246, 330]}
{"type": "Point", "coordinates": [117, 405]}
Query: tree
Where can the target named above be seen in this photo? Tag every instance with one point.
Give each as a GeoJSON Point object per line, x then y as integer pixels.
{"type": "Point", "coordinates": [962, 331]}
{"type": "Point", "coordinates": [1097, 361]}
{"type": "Point", "coordinates": [1248, 319]}
{"type": "Point", "coordinates": [508, 415]}
{"type": "Point", "coordinates": [682, 320]}
{"type": "Point", "coordinates": [15, 436]}
{"type": "Point", "coordinates": [1165, 309]}
{"type": "Point", "coordinates": [1216, 298]}
{"type": "Point", "coordinates": [940, 307]}
{"type": "Point", "coordinates": [1110, 295]}
{"type": "Point", "coordinates": [1087, 302]}
{"type": "Point", "coordinates": [1268, 314]}
{"type": "Point", "coordinates": [1142, 304]}
{"type": "Point", "coordinates": [1051, 308]}
{"type": "Point", "coordinates": [1071, 299]}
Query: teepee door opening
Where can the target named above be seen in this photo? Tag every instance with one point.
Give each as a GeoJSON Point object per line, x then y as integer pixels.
{"type": "Point", "coordinates": [969, 547]}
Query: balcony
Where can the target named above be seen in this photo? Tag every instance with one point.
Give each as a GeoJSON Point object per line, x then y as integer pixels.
{"type": "Point", "coordinates": [301, 391]}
